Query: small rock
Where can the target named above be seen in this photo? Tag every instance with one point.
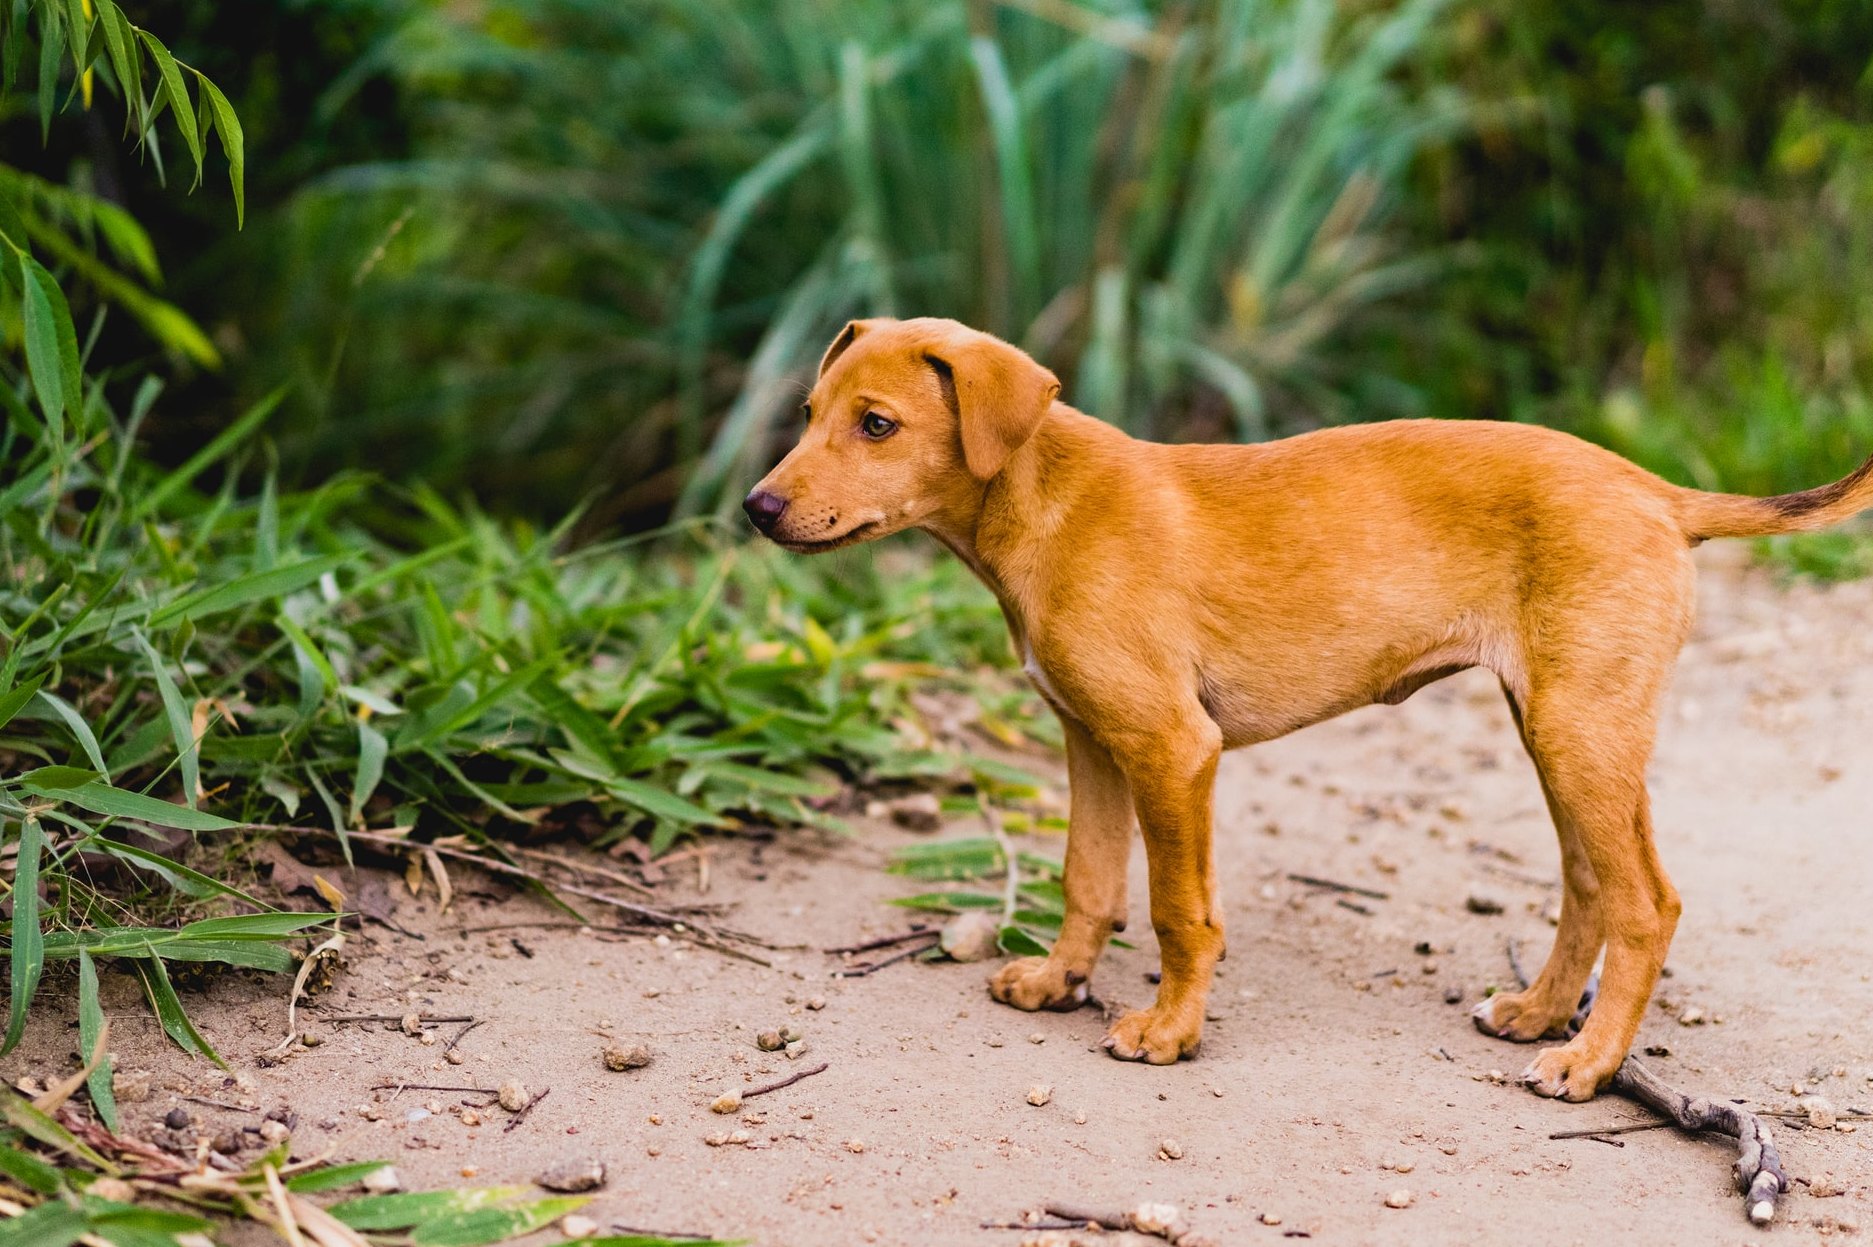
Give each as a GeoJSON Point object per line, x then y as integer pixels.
{"type": "Point", "coordinates": [792, 1034]}
{"type": "Point", "coordinates": [816, 1003]}
{"type": "Point", "coordinates": [177, 1119]}
{"type": "Point", "coordinates": [572, 1177]}
{"type": "Point", "coordinates": [1429, 966]}
{"type": "Point", "coordinates": [1692, 1016]}
{"type": "Point", "coordinates": [1160, 1219]}
{"type": "Point", "coordinates": [619, 1058]}
{"type": "Point", "coordinates": [855, 1145]}
{"type": "Point", "coordinates": [274, 1131]}
{"type": "Point", "coordinates": [1453, 995]}
{"type": "Point", "coordinates": [727, 1102]}
{"type": "Point", "coordinates": [1079, 1118]}
{"type": "Point", "coordinates": [1821, 1112]}
{"type": "Point", "coordinates": [454, 1056]}
{"type": "Point", "coordinates": [971, 936]}
{"type": "Point", "coordinates": [1170, 1149]}
{"type": "Point", "coordinates": [1401, 1198]}
{"type": "Point", "coordinates": [411, 1024]}
{"type": "Point", "coordinates": [381, 1181]}
{"type": "Point", "coordinates": [114, 1189]}
{"type": "Point", "coordinates": [1037, 1037]}
{"type": "Point", "coordinates": [794, 1049]}
{"type": "Point", "coordinates": [1269, 1218]}
{"type": "Point", "coordinates": [1481, 904]}
{"type": "Point", "coordinates": [1403, 1166]}
{"type": "Point", "coordinates": [513, 1095]}
{"type": "Point", "coordinates": [1040, 1093]}
{"type": "Point", "coordinates": [769, 1041]}
{"type": "Point", "coordinates": [228, 1142]}
{"type": "Point", "coordinates": [572, 1225]}
{"type": "Point", "coordinates": [130, 1086]}
{"type": "Point", "coordinates": [920, 811]}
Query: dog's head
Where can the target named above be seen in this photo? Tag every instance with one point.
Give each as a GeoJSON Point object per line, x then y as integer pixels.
{"type": "Point", "coordinates": [907, 421]}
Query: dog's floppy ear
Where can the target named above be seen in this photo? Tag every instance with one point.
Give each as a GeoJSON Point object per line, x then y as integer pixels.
{"type": "Point", "coordinates": [847, 336]}
{"type": "Point", "coordinates": [999, 395]}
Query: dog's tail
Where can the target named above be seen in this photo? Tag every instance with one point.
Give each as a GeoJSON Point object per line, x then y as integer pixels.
{"type": "Point", "coordinates": [1705, 515]}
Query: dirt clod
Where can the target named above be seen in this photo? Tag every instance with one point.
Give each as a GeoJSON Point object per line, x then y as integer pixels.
{"type": "Point", "coordinates": [971, 936]}
{"type": "Point", "coordinates": [620, 1058]}
{"type": "Point", "coordinates": [571, 1177]}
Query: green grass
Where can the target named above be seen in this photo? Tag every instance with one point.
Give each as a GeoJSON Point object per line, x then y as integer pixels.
{"type": "Point", "coordinates": [625, 231]}
{"type": "Point", "coordinates": [241, 657]}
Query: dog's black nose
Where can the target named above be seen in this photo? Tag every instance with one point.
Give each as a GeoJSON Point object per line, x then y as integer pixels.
{"type": "Point", "coordinates": [764, 509]}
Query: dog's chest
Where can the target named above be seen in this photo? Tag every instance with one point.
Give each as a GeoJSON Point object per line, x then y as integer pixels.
{"type": "Point", "coordinates": [1038, 678]}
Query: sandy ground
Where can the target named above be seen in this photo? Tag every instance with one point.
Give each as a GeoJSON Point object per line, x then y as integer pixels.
{"type": "Point", "coordinates": [1333, 1071]}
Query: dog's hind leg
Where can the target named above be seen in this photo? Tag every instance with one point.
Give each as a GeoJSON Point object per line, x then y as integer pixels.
{"type": "Point", "coordinates": [1545, 1007]}
{"type": "Point", "coordinates": [1590, 726]}
{"type": "Point", "coordinates": [1173, 778]}
{"type": "Point", "coordinates": [1099, 841]}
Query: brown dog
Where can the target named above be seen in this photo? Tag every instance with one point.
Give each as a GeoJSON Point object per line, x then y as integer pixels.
{"type": "Point", "coordinates": [1171, 602]}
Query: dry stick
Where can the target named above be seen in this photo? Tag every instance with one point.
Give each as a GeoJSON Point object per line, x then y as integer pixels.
{"type": "Point", "coordinates": [1758, 1168]}
{"type": "Point", "coordinates": [526, 1109]}
{"type": "Point", "coordinates": [233, 1108]}
{"type": "Point", "coordinates": [459, 1035]}
{"type": "Point", "coordinates": [1629, 1128]}
{"type": "Point", "coordinates": [821, 1068]}
{"type": "Point", "coordinates": [683, 927]}
{"type": "Point", "coordinates": [1333, 885]}
{"type": "Point", "coordinates": [872, 967]}
{"type": "Point", "coordinates": [1105, 1220]}
{"type": "Point", "coordinates": [916, 933]}
{"type": "Point", "coordinates": [424, 1018]}
{"type": "Point", "coordinates": [597, 872]}
{"type": "Point", "coordinates": [429, 1086]}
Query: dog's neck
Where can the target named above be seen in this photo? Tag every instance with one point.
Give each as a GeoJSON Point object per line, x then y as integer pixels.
{"type": "Point", "coordinates": [1004, 528]}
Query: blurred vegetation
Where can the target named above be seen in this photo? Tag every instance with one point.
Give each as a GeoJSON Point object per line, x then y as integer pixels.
{"type": "Point", "coordinates": [553, 249]}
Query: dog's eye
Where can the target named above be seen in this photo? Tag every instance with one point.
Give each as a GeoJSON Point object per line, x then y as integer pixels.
{"type": "Point", "coordinates": [877, 427]}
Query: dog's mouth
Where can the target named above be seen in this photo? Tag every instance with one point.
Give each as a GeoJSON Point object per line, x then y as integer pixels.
{"type": "Point", "coordinates": [850, 536]}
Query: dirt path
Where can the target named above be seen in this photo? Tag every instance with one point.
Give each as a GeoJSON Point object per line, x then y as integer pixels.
{"type": "Point", "coordinates": [1331, 1064]}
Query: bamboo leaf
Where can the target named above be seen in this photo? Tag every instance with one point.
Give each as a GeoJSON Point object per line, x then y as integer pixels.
{"type": "Point", "coordinates": [79, 729]}
{"type": "Point", "coordinates": [372, 750]}
{"type": "Point", "coordinates": [28, 958]}
{"type": "Point", "coordinates": [177, 91]}
{"type": "Point", "coordinates": [90, 1026]}
{"type": "Point", "coordinates": [101, 798]}
{"type": "Point", "coordinates": [169, 1010]}
{"type": "Point", "coordinates": [44, 351]}
{"type": "Point", "coordinates": [233, 145]}
{"type": "Point", "coordinates": [181, 725]}
{"type": "Point", "coordinates": [16, 697]}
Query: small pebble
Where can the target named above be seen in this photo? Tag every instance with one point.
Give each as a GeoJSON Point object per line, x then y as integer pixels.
{"type": "Point", "coordinates": [1400, 1198]}
{"type": "Point", "coordinates": [1480, 904]}
{"type": "Point", "coordinates": [1269, 1218]}
{"type": "Point", "coordinates": [855, 1145]}
{"type": "Point", "coordinates": [412, 1024]}
{"type": "Point", "coordinates": [177, 1119]}
{"type": "Point", "coordinates": [816, 1003]}
{"type": "Point", "coordinates": [1037, 1037]}
{"type": "Point", "coordinates": [1453, 995]}
{"type": "Point", "coordinates": [454, 1056]}
{"type": "Point", "coordinates": [130, 1086]}
{"type": "Point", "coordinates": [1170, 1149]}
{"type": "Point", "coordinates": [769, 1041]}
{"type": "Point", "coordinates": [1693, 1016]}
{"type": "Point", "coordinates": [573, 1177]}
{"type": "Point", "coordinates": [794, 1049]}
{"type": "Point", "coordinates": [727, 1102]}
{"type": "Point", "coordinates": [513, 1095]}
{"type": "Point", "coordinates": [572, 1225]}
{"type": "Point", "coordinates": [381, 1181]}
{"type": "Point", "coordinates": [619, 1058]}
{"type": "Point", "coordinates": [1079, 1118]}
{"type": "Point", "coordinates": [1040, 1093]}
{"type": "Point", "coordinates": [792, 1034]}
{"type": "Point", "coordinates": [1821, 1112]}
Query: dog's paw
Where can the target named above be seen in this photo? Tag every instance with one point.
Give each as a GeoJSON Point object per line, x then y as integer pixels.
{"type": "Point", "coordinates": [1573, 1071]}
{"type": "Point", "coordinates": [1521, 1017]}
{"type": "Point", "coordinates": [1156, 1037]}
{"type": "Point", "coordinates": [1039, 983]}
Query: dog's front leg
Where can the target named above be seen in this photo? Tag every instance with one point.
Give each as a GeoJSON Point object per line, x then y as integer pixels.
{"type": "Point", "coordinates": [1173, 779]}
{"type": "Point", "coordinates": [1099, 841]}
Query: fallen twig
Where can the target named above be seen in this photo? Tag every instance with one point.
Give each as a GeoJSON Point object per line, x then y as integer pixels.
{"type": "Point", "coordinates": [821, 1068]}
{"type": "Point", "coordinates": [1630, 1128]}
{"type": "Point", "coordinates": [232, 1108]}
{"type": "Point", "coordinates": [872, 967]}
{"type": "Point", "coordinates": [430, 1086]}
{"type": "Point", "coordinates": [915, 933]}
{"type": "Point", "coordinates": [1758, 1167]}
{"type": "Point", "coordinates": [525, 1110]}
{"type": "Point", "coordinates": [424, 1018]}
{"type": "Point", "coordinates": [1333, 885]}
{"type": "Point", "coordinates": [459, 1035]}
{"type": "Point", "coordinates": [596, 872]}
{"type": "Point", "coordinates": [1355, 906]}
